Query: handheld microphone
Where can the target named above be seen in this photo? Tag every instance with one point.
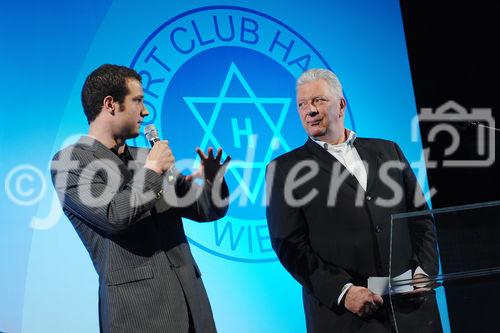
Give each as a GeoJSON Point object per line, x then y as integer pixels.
{"type": "Point", "coordinates": [152, 136]}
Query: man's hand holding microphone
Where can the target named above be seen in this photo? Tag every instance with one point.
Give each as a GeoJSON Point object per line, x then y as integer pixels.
{"type": "Point", "coordinates": [160, 158]}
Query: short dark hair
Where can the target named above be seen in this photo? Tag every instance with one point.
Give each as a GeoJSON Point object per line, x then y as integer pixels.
{"type": "Point", "coordinates": [106, 80]}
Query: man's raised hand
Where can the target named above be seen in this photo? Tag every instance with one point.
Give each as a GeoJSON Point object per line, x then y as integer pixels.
{"type": "Point", "coordinates": [210, 167]}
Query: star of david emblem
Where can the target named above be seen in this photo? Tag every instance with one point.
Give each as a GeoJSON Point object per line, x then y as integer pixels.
{"type": "Point", "coordinates": [207, 123]}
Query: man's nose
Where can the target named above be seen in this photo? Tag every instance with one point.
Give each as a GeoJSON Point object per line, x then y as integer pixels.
{"type": "Point", "coordinates": [312, 113]}
{"type": "Point", "coordinates": [145, 111]}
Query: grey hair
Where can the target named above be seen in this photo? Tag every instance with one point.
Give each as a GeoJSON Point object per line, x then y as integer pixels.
{"type": "Point", "coordinates": [314, 74]}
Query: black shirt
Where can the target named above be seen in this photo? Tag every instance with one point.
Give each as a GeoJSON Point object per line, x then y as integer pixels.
{"type": "Point", "coordinates": [125, 156]}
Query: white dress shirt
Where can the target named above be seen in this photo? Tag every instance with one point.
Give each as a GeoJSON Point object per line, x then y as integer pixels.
{"type": "Point", "coordinates": [347, 154]}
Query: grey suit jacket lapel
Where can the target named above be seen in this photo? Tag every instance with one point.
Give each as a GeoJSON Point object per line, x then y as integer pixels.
{"type": "Point", "coordinates": [104, 155]}
{"type": "Point", "coordinates": [139, 158]}
{"type": "Point", "coordinates": [109, 159]}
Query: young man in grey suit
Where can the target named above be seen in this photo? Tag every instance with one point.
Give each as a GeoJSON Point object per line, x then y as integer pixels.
{"type": "Point", "coordinates": [329, 217]}
{"type": "Point", "coordinates": [126, 204]}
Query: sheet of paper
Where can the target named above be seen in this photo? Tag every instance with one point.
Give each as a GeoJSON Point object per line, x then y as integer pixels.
{"type": "Point", "coordinates": [380, 284]}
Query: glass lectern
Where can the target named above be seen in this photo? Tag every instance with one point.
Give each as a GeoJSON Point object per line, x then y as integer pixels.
{"type": "Point", "coordinates": [460, 275]}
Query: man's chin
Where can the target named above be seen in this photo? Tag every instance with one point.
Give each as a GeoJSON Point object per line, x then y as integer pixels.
{"type": "Point", "coordinates": [132, 135]}
{"type": "Point", "coordinates": [317, 134]}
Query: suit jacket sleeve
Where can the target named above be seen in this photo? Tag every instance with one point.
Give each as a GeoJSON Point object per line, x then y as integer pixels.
{"type": "Point", "coordinates": [289, 238]}
{"type": "Point", "coordinates": [211, 201]}
{"type": "Point", "coordinates": [422, 230]}
{"type": "Point", "coordinates": [101, 198]}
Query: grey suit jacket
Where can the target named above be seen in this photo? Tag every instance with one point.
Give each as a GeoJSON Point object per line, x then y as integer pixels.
{"type": "Point", "coordinates": [148, 279]}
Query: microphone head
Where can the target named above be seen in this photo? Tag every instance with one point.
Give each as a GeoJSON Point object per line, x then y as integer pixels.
{"type": "Point", "coordinates": [151, 133]}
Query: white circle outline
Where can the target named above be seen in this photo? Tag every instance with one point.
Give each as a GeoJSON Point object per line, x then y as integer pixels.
{"type": "Point", "coordinates": [11, 174]}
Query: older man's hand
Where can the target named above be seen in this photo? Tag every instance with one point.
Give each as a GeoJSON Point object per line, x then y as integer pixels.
{"type": "Point", "coordinates": [361, 301]}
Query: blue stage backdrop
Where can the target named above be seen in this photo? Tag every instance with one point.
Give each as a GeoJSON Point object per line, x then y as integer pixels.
{"type": "Point", "coordinates": [218, 74]}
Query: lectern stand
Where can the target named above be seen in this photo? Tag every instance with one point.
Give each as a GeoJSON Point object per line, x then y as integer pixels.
{"type": "Point", "coordinates": [466, 286]}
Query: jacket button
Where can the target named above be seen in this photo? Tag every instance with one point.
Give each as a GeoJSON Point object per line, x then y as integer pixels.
{"type": "Point", "coordinates": [378, 229]}
{"type": "Point", "coordinates": [368, 198]}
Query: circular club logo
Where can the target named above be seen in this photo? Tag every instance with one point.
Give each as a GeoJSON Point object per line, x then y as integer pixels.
{"type": "Point", "coordinates": [224, 76]}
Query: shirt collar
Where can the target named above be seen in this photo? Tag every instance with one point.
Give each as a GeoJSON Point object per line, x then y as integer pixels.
{"type": "Point", "coordinates": [126, 156]}
{"type": "Point", "coordinates": [351, 136]}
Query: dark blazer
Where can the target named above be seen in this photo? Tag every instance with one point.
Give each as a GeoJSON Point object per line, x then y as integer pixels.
{"type": "Point", "coordinates": [324, 246]}
{"type": "Point", "coordinates": [148, 279]}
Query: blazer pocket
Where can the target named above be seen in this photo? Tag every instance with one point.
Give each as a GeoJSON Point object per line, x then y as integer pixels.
{"type": "Point", "coordinates": [130, 274]}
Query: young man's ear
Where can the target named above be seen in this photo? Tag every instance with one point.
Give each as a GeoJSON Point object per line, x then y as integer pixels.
{"type": "Point", "coordinates": [109, 105]}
